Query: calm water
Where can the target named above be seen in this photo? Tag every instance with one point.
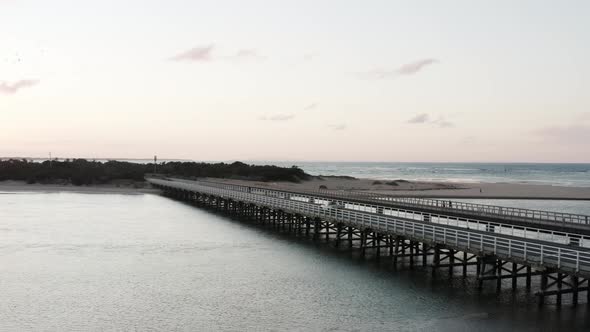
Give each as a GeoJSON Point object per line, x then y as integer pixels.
{"type": "Point", "coordinates": [577, 175]}
{"type": "Point", "coordinates": [143, 262]}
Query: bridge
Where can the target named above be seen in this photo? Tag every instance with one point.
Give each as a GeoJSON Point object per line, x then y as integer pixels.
{"type": "Point", "coordinates": [501, 243]}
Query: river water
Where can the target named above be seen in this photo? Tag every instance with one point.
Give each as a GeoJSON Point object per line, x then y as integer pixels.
{"type": "Point", "coordinates": [104, 262]}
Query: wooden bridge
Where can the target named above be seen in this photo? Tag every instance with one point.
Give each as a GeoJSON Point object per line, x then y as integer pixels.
{"type": "Point", "coordinates": [502, 243]}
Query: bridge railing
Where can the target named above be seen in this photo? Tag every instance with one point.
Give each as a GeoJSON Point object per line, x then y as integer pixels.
{"type": "Point", "coordinates": [571, 259]}
{"type": "Point", "coordinates": [531, 232]}
{"type": "Point", "coordinates": [508, 213]}
{"type": "Point", "coordinates": [482, 209]}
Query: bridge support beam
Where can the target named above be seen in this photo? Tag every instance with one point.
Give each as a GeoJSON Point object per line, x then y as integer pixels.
{"type": "Point", "coordinates": [401, 248]}
{"type": "Point", "coordinates": [450, 258]}
{"type": "Point", "coordinates": [558, 284]}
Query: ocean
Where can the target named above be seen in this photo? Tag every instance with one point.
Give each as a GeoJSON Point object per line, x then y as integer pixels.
{"type": "Point", "coordinates": [575, 175]}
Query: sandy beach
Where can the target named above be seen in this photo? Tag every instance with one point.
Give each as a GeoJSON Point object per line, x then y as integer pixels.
{"type": "Point", "coordinates": [434, 189]}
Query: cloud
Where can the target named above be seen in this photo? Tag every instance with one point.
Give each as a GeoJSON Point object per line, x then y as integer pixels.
{"type": "Point", "coordinates": [414, 67]}
{"type": "Point", "coordinates": [310, 107]}
{"type": "Point", "coordinates": [420, 118]}
{"type": "Point", "coordinates": [404, 70]}
{"type": "Point", "coordinates": [425, 118]}
{"type": "Point", "coordinates": [204, 53]}
{"type": "Point", "coordinates": [443, 123]}
{"type": "Point", "coordinates": [196, 54]}
{"type": "Point", "coordinates": [277, 117]}
{"type": "Point", "coordinates": [340, 126]}
{"type": "Point", "coordinates": [14, 87]}
{"type": "Point", "coordinates": [246, 54]}
{"type": "Point", "coordinates": [572, 134]}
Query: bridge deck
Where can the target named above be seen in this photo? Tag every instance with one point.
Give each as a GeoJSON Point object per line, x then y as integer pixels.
{"type": "Point", "coordinates": [471, 235]}
{"type": "Point", "coordinates": [556, 221]}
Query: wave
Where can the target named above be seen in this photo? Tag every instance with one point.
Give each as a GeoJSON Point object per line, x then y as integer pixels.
{"type": "Point", "coordinates": [571, 175]}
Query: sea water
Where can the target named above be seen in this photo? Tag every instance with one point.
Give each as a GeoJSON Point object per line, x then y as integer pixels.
{"type": "Point", "coordinates": [576, 175]}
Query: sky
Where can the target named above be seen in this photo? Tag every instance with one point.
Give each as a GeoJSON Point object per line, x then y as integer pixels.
{"type": "Point", "coordinates": [330, 80]}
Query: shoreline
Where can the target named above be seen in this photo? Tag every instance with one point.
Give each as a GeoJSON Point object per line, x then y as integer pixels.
{"type": "Point", "coordinates": [402, 188]}
{"type": "Point", "coordinates": [431, 189]}
{"type": "Point", "coordinates": [22, 187]}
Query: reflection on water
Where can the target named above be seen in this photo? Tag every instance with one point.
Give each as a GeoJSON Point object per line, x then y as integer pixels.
{"type": "Point", "coordinates": [136, 262]}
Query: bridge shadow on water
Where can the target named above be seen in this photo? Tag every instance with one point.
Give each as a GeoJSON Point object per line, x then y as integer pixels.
{"type": "Point", "coordinates": [519, 308]}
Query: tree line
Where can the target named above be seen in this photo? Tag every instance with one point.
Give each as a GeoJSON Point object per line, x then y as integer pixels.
{"type": "Point", "coordinates": [85, 172]}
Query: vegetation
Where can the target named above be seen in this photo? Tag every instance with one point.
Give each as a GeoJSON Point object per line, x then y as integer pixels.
{"type": "Point", "coordinates": [84, 172]}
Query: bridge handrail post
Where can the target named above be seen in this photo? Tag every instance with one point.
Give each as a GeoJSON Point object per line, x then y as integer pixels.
{"type": "Point", "coordinates": [525, 253]}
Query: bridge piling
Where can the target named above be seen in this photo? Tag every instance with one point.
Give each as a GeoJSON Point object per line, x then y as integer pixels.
{"type": "Point", "coordinates": [405, 238]}
{"type": "Point", "coordinates": [436, 259]}
{"type": "Point", "coordinates": [363, 242]}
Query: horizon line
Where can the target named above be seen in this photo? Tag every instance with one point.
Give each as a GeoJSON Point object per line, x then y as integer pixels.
{"type": "Point", "coordinates": [297, 161]}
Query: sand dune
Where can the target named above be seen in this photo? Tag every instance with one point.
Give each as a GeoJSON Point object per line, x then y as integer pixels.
{"type": "Point", "coordinates": [435, 189]}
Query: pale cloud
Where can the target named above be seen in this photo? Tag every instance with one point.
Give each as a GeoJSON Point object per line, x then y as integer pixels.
{"type": "Point", "coordinates": [425, 118]}
{"type": "Point", "coordinates": [310, 107]}
{"type": "Point", "coordinates": [196, 54]}
{"type": "Point", "coordinates": [246, 54]}
{"type": "Point", "coordinates": [404, 70]}
{"type": "Point", "coordinates": [288, 116]}
{"type": "Point", "coordinates": [339, 126]}
{"type": "Point", "coordinates": [14, 87]}
{"type": "Point", "coordinates": [414, 67]}
{"type": "Point", "coordinates": [277, 117]}
{"type": "Point", "coordinates": [205, 53]}
{"type": "Point", "coordinates": [420, 118]}
{"type": "Point", "coordinates": [443, 123]}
